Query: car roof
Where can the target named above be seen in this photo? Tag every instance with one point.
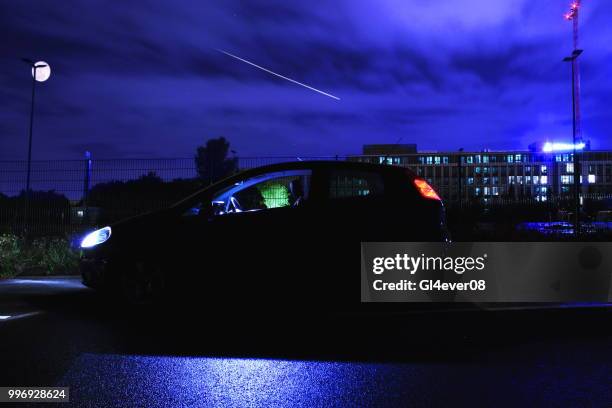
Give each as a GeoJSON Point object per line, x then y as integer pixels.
{"type": "Point", "coordinates": [323, 165]}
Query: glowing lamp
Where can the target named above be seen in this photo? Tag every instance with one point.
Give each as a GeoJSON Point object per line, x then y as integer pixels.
{"type": "Point", "coordinates": [561, 147]}
{"type": "Point", "coordinates": [96, 238]}
{"type": "Point", "coordinates": [41, 71]}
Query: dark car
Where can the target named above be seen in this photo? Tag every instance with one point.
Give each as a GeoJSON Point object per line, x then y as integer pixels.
{"type": "Point", "coordinates": [283, 232]}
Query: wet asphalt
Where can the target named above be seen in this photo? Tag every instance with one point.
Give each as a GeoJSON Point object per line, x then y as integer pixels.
{"type": "Point", "coordinates": [56, 332]}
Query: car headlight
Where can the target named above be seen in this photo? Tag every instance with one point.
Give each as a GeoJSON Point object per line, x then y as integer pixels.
{"type": "Point", "coordinates": [96, 238]}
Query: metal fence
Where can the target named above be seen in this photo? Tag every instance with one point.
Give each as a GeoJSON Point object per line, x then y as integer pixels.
{"type": "Point", "coordinates": [72, 178]}
{"type": "Point", "coordinates": [72, 195]}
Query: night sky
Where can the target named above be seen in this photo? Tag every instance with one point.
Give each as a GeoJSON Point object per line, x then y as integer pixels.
{"type": "Point", "coordinates": [145, 79]}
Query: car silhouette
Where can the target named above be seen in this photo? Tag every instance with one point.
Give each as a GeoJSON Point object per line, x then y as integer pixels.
{"type": "Point", "coordinates": [282, 232]}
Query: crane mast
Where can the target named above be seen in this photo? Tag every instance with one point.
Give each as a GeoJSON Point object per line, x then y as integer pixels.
{"type": "Point", "coordinates": [572, 16]}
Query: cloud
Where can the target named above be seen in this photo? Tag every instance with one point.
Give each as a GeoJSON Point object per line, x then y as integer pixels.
{"type": "Point", "coordinates": [143, 78]}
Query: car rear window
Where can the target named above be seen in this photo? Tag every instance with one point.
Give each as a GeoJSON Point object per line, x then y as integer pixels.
{"type": "Point", "coordinates": [343, 184]}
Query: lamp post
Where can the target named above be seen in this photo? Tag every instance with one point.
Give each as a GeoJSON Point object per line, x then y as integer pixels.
{"type": "Point", "coordinates": [577, 171]}
{"type": "Point", "coordinates": [40, 73]}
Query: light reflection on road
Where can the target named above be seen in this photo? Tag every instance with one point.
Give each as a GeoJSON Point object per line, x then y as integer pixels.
{"type": "Point", "coordinates": [112, 380]}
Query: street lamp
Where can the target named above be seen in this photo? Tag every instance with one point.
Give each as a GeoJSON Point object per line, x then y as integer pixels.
{"type": "Point", "coordinates": [41, 71]}
{"type": "Point", "coordinates": [577, 171]}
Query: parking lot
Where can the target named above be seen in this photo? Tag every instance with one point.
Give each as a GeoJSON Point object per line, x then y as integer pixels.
{"type": "Point", "coordinates": [55, 332]}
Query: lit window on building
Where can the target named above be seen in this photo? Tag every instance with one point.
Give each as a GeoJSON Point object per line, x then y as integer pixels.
{"type": "Point", "coordinates": [557, 157]}
{"type": "Point", "coordinates": [544, 180]}
{"type": "Point", "coordinates": [591, 178]}
{"type": "Point", "coordinates": [429, 159]}
{"type": "Point", "coordinates": [569, 167]}
{"type": "Point", "coordinates": [565, 179]}
{"type": "Point", "coordinates": [421, 159]}
{"type": "Point", "coordinates": [510, 179]}
{"type": "Point", "coordinates": [536, 179]}
{"type": "Point", "coordinates": [519, 179]}
{"type": "Point", "coordinates": [470, 180]}
{"type": "Point", "coordinates": [469, 159]}
{"type": "Point", "coordinates": [477, 158]}
{"type": "Point", "coordinates": [437, 160]}
{"type": "Point", "coordinates": [485, 159]}
{"type": "Point", "coordinates": [543, 169]}
{"type": "Point", "coordinates": [566, 157]}
{"type": "Point", "coordinates": [477, 191]}
{"type": "Point", "coordinates": [485, 180]}
{"type": "Point", "coordinates": [477, 170]}
{"type": "Point", "coordinates": [487, 191]}
{"type": "Point", "coordinates": [495, 191]}
{"type": "Point", "coordinates": [396, 160]}
{"type": "Point", "coordinates": [518, 158]}
{"type": "Point", "coordinates": [510, 158]}
{"type": "Point", "coordinates": [445, 160]}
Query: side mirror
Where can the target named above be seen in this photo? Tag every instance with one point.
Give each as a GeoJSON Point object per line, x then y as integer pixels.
{"type": "Point", "coordinates": [210, 209]}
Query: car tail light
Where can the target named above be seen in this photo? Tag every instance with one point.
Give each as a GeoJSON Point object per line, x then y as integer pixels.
{"type": "Point", "coordinates": [426, 190]}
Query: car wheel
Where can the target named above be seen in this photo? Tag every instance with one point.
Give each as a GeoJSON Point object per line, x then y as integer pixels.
{"type": "Point", "coordinates": [132, 286]}
{"type": "Point", "coordinates": [143, 283]}
{"type": "Point", "coordinates": [155, 283]}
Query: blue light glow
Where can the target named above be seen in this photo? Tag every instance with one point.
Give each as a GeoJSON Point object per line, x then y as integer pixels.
{"type": "Point", "coordinates": [560, 147]}
{"type": "Point", "coordinates": [96, 238]}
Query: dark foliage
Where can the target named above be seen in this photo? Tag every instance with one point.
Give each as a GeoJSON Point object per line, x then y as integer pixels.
{"type": "Point", "coordinates": [212, 161]}
{"type": "Point", "coordinates": [120, 199]}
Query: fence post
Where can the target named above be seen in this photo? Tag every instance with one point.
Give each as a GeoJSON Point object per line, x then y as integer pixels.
{"type": "Point", "coordinates": [87, 178]}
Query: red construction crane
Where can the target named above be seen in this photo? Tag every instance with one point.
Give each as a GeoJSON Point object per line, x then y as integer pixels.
{"type": "Point", "coordinates": [573, 16]}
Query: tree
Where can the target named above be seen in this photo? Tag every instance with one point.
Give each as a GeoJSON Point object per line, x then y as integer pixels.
{"type": "Point", "coordinates": [120, 199]}
{"type": "Point", "coordinates": [212, 162]}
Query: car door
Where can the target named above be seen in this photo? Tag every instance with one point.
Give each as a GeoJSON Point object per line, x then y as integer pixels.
{"type": "Point", "coordinates": [255, 240]}
{"type": "Point", "coordinates": [355, 210]}
{"type": "Point", "coordinates": [357, 207]}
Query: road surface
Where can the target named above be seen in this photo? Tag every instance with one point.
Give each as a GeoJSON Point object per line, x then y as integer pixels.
{"type": "Point", "coordinates": [55, 332]}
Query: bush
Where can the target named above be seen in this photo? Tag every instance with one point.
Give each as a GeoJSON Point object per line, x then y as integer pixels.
{"type": "Point", "coordinates": [10, 255]}
{"type": "Point", "coordinates": [51, 254]}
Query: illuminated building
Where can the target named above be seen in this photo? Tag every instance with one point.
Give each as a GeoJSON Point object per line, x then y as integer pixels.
{"type": "Point", "coordinates": [544, 171]}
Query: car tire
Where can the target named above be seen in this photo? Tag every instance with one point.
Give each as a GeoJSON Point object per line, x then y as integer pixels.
{"type": "Point", "coordinates": [143, 283]}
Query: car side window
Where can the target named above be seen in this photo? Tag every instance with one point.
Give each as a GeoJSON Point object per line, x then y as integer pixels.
{"type": "Point", "coordinates": [346, 184]}
{"type": "Point", "coordinates": [267, 192]}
